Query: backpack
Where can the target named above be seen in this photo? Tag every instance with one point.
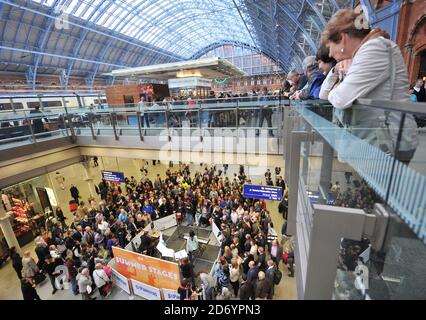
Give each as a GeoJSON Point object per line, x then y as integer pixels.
{"type": "Point", "coordinates": [277, 276]}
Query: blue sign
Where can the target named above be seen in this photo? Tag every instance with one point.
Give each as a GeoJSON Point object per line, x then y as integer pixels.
{"type": "Point", "coordinates": [263, 192]}
{"type": "Point", "coordinates": [113, 176]}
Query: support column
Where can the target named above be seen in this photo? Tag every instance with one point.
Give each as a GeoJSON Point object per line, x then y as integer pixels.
{"type": "Point", "coordinates": [330, 225]}
{"type": "Point", "coordinates": [88, 178]}
{"type": "Point", "coordinates": [306, 154]}
{"type": "Point", "coordinates": [7, 229]}
{"type": "Point", "coordinates": [296, 139]}
{"type": "Point", "coordinates": [326, 166]}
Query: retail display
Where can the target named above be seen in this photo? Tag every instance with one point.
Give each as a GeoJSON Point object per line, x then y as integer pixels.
{"type": "Point", "coordinates": [22, 221]}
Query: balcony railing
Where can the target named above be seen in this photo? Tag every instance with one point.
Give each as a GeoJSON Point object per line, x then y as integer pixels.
{"type": "Point", "coordinates": [377, 173]}
{"type": "Point", "coordinates": [175, 118]}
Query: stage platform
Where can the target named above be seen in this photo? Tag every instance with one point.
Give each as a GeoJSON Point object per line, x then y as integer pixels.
{"type": "Point", "coordinates": [209, 249]}
{"type": "Point", "coordinates": [175, 238]}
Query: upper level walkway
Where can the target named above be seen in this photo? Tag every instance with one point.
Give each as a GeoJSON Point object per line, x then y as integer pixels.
{"type": "Point", "coordinates": [173, 126]}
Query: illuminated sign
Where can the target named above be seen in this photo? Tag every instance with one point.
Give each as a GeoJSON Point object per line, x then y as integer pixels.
{"type": "Point", "coordinates": [263, 192]}
{"type": "Point", "coordinates": [113, 176]}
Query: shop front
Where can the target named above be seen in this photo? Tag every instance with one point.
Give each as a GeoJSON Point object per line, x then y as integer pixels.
{"type": "Point", "coordinates": [192, 87]}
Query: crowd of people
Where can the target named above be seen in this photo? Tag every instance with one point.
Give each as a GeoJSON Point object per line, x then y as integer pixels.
{"type": "Point", "coordinates": [356, 195]}
{"type": "Point", "coordinates": [248, 266]}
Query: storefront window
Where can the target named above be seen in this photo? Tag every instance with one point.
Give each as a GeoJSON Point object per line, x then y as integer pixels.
{"type": "Point", "coordinates": [29, 200]}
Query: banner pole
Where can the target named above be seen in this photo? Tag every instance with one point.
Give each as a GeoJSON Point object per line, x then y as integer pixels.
{"type": "Point", "coordinates": [131, 296]}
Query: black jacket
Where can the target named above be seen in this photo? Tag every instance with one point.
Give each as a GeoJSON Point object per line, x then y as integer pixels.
{"type": "Point", "coordinates": [421, 95]}
{"type": "Point", "coordinates": [132, 227]}
{"type": "Point", "coordinates": [246, 291]}
{"type": "Point", "coordinates": [69, 243]}
{"type": "Point", "coordinates": [252, 274]}
{"type": "Point", "coordinates": [261, 259]}
{"type": "Point", "coordinates": [77, 236]}
{"type": "Point", "coordinates": [16, 261]}
{"type": "Point", "coordinates": [263, 288]}
{"type": "Point", "coordinates": [41, 253]}
{"type": "Point", "coordinates": [74, 192]}
{"type": "Point", "coordinates": [37, 122]}
{"type": "Point", "coordinates": [49, 268]}
{"type": "Point", "coordinates": [28, 292]}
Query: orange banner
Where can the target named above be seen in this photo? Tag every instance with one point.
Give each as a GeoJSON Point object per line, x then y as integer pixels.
{"type": "Point", "coordinates": [152, 271]}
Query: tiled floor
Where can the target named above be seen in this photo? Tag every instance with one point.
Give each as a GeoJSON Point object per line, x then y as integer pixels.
{"type": "Point", "coordinates": [9, 283]}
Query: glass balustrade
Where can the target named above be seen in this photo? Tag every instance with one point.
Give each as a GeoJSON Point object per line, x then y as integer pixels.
{"type": "Point", "coordinates": [154, 119]}
{"type": "Point", "coordinates": [357, 159]}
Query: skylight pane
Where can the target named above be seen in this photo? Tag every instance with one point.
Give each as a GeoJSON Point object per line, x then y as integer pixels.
{"type": "Point", "coordinates": [71, 6]}
{"type": "Point", "coordinates": [80, 9]}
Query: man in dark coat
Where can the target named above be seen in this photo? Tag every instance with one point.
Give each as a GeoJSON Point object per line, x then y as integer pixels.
{"type": "Point", "coordinates": [74, 192]}
{"type": "Point", "coordinates": [49, 267]}
{"type": "Point", "coordinates": [246, 289]}
{"type": "Point", "coordinates": [28, 290]}
{"type": "Point", "coordinates": [42, 252]}
{"type": "Point", "coordinates": [419, 91]}
{"type": "Point", "coordinates": [37, 123]}
{"type": "Point", "coordinates": [263, 287]}
{"type": "Point", "coordinates": [252, 274]}
{"type": "Point", "coordinates": [270, 275]}
{"type": "Point", "coordinates": [16, 262]}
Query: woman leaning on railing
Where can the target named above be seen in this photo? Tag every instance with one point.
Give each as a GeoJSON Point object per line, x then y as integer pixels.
{"type": "Point", "coordinates": [374, 69]}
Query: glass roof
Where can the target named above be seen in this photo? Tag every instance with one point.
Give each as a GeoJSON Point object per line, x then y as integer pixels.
{"type": "Point", "coordinates": [183, 27]}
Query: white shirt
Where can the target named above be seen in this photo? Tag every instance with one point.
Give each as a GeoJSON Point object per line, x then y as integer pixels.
{"type": "Point", "coordinates": [234, 217]}
{"type": "Point", "coordinates": [191, 244]}
{"type": "Point", "coordinates": [103, 226]}
{"type": "Point", "coordinates": [234, 274]}
{"type": "Point", "coordinates": [54, 254]}
{"type": "Point", "coordinates": [253, 251]}
{"type": "Point", "coordinates": [142, 107]}
{"type": "Point", "coordinates": [100, 277]}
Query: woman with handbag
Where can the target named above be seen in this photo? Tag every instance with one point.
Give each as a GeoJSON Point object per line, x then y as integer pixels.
{"type": "Point", "coordinates": [102, 281]}
{"type": "Point", "coordinates": [84, 284]}
{"type": "Point", "coordinates": [185, 290]}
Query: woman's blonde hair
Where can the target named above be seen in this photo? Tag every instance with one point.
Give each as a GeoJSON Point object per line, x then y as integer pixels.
{"type": "Point", "coordinates": [227, 250]}
{"type": "Point", "coordinates": [343, 21]}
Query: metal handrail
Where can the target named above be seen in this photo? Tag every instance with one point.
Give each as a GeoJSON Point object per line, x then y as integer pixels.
{"type": "Point", "coordinates": [400, 106]}
{"type": "Point", "coordinates": [418, 108]}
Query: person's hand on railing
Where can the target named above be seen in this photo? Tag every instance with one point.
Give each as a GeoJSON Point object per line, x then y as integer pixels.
{"type": "Point", "coordinates": [296, 95]}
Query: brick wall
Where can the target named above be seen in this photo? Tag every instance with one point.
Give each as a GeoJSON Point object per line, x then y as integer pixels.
{"type": "Point", "coordinates": [412, 35]}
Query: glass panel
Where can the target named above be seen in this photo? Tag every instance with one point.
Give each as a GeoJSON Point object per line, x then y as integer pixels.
{"type": "Point", "coordinates": [364, 172]}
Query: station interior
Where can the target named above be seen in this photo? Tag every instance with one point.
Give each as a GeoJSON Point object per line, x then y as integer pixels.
{"type": "Point", "coordinates": [286, 137]}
